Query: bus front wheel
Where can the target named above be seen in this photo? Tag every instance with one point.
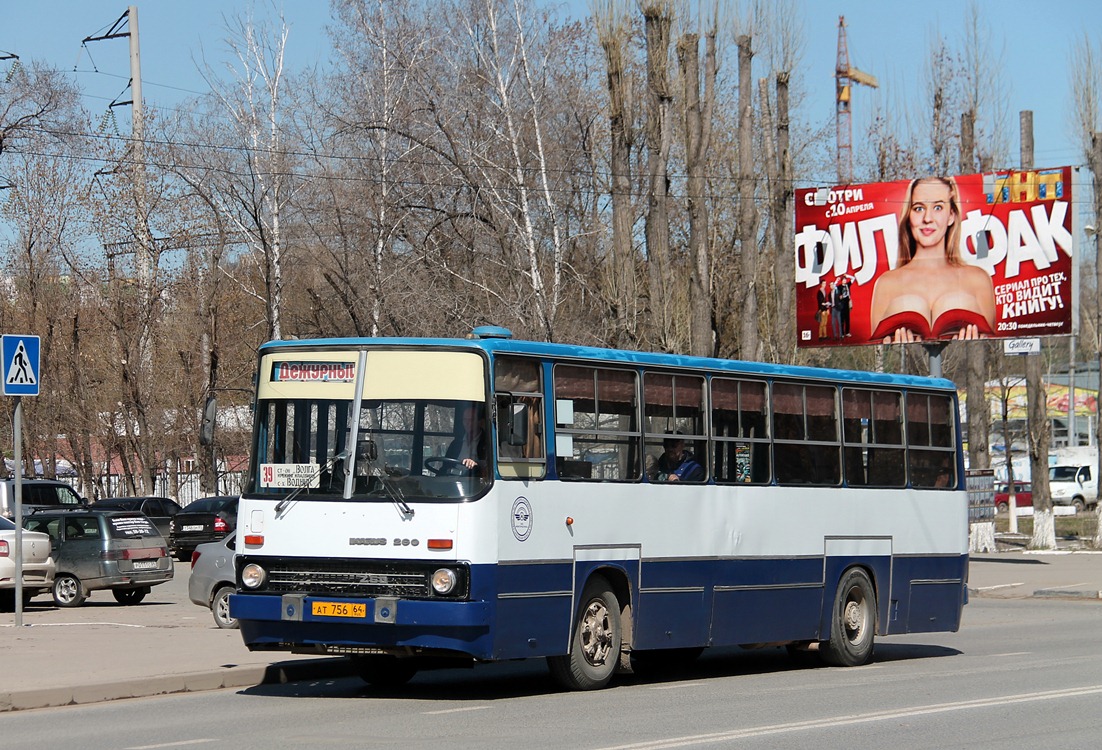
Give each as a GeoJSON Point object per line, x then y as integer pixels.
{"type": "Point", "coordinates": [595, 645]}
{"type": "Point", "coordinates": [852, 622]}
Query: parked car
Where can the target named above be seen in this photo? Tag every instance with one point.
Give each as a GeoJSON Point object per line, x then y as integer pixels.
{"type": "Point", "coordinates": [160, 510]}
{"type": "Point", "coordinates": [1073, 485]}
{"type": "Point", "coordinates": [38, 564]}
{"type": "Point", "coordinates": [48, 493]}
{"type": "Point", "coordinates": [1023, 496]}
{"type": "Point", "coordinates": [213, 580]}
{"type": "Point", "coordinates": [97, 548]}
{"type": "Point", "coordinates": [208, 519]}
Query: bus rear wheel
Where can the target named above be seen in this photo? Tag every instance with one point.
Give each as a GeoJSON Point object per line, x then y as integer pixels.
{"type": "Point", "coordinates": [385, 671]}
{"type": "Point", "coordinates": [852, 622]}
{"type": "Point", "coordinates": [595, 645]}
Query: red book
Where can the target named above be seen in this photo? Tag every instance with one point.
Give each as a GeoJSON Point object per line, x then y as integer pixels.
{"type": "Point", "coordinates": [946, 325]}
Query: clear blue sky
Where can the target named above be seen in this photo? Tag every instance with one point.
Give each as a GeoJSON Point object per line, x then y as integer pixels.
{"type": "Point", "coordinates": [887, 38]}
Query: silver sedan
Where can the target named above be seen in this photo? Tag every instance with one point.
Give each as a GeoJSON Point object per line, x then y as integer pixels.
{"type": "Point", "coordinates": [213, 579]}
{"type": "Point", "coordinates": [38, 564]}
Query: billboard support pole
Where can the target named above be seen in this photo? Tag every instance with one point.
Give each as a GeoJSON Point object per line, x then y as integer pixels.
{"type": "Point", "coordinates": [934, 350]}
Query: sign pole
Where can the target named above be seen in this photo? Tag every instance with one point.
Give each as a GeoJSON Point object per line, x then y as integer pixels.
{"type": "Point", "coordinates": [18, 451]}
{"type": "Point", "coordinates": [20, 361]}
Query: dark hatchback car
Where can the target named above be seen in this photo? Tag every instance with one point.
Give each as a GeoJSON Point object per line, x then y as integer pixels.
{"type": "Point", "coordinates": [103, 549]}
{"type": "Point", "coordinates": [160, 510]}
{"type": "Point", "coordinates": [208, 519]}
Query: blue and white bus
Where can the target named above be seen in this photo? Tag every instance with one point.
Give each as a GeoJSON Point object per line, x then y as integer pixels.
{"type": "Point", "coordinates": [831, 506]}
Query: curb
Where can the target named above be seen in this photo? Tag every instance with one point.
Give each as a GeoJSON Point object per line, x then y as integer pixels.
{"type": "Point", "coordinates": [190, 682]}
{"type": "Point", "coordinates": [1063, 594]}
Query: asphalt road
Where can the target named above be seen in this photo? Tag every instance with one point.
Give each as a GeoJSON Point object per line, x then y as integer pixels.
{"type": "Point", "coordinates": [1020, 673]}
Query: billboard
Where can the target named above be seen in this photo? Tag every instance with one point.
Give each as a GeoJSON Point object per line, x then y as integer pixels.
{"type": "Point", "coordinates": [971, 256]}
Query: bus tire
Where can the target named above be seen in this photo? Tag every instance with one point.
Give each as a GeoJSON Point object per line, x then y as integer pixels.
{"type": "Point", "coordinates": [385, 671]}
{"type": "Point", "coordinates": [595, 644]}
{"type": "Point", "coordinates": [852, 621]}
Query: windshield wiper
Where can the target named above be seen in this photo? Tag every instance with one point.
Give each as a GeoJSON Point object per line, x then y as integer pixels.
{"type": "Point", "coordinates": [322, 468]}
{"type": "Point", "coordinates": [392, 490]}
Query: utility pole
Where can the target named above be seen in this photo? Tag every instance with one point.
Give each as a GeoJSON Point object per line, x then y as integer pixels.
{"type": "Point", "coordinates": [1095, 162]}
{"type": "Point", "coordinates": [1044, 527]}
{"type": "Point", "coordinates": [145, 252]}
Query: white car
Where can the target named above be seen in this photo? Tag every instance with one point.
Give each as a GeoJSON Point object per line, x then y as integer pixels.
{"type": "Point", "coordinates": [38, 564]}
{"type": "Point", "coordinates": [1073, 485]}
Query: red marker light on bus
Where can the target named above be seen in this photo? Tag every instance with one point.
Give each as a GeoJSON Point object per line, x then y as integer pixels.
{"type": "Point", "coordinates": [440, 544]}
{"type": "Point", "coordinates": [254, 540]}
{"type": "Point", "coordinates": [569, 521]}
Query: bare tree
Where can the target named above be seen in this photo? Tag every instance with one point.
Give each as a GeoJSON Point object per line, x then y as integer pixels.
{"type": "Point", "coordinates": [613, 27]}
{"type": "Point", "coordinates": [256, 195]}
{"type": "Point", "coordinates": [698, 106]}
{"type": "Point", "coordinates": [658, 16]}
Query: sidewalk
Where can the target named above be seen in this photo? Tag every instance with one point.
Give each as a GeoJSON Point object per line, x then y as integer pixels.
{"type": "Point", "coordinates": [104, 651]}
{"type": "Point", "coordinates": [1018, 573]}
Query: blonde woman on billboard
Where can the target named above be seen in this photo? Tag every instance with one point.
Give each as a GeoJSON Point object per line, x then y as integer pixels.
{"type": "Point", "coordinates": [932, 294]}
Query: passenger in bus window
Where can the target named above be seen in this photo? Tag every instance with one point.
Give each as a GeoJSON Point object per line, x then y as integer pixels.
{"type": "Point", "coordinates": [468, 447]}
{"type": "Point", "coordinates": [944, 474]}
{"type": "Point", "coordinates": [676, 464]}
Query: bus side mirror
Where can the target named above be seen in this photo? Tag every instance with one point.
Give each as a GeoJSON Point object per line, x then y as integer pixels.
{"type": "Point", "coordinates": [518, 424]}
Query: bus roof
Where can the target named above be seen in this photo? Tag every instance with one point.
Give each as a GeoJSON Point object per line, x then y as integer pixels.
{"type": "Point", "coordinates": [496, 343]}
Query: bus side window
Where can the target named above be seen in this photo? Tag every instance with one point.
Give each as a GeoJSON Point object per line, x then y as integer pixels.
{"type": "Point", "coordinates": [740, 418]}
{"type": "Point", "coordinates": [673, 414]}
{"type": "Point", "coordinates": [872, 430]}
{"type": "Point", "coordinates": [805, 426]}
{"type": "Point", "coordinates": [519, 400]}
{"type": "Point", "coordinates": [930, 441]}
{"type": "Point", "coordinates": [597, 422]}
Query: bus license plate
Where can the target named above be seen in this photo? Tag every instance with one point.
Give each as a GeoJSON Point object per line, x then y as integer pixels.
{"type": "Point", "coordinates": [338, 609]}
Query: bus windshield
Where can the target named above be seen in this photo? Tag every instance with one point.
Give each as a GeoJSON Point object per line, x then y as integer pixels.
{"type": "Point", "coordinates": [371, 424]}
{"type": "Point", "coordinates": [410, 449]}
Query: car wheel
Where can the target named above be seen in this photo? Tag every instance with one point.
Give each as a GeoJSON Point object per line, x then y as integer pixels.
{"type": "Point", "coordinates": [68, 590]}
{"type": "Point", "coordinates": [130, 596]}
{"type": "Point", "coordinates": [1002, 507]}
{"type": "Point", "coordinates": [220, 608]}
{"type": "Point", "coordinates": [1078, 503]}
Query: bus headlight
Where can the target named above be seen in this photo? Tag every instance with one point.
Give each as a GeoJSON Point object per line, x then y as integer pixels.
{"type": "Point", "coordinates": [253, 576]}
{"type": "Point", "coordinates": [443, 581]}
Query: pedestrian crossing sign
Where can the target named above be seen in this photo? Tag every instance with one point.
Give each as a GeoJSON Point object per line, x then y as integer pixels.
{"type": "Point", "coordinates": [21, 365]}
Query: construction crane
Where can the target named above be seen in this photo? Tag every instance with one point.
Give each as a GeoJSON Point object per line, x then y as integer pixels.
{"type": "Point", "coordinates": [845, 77]}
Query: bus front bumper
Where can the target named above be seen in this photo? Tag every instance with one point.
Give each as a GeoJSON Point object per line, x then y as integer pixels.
{"type": "Point", "coordinates": [293, 622]}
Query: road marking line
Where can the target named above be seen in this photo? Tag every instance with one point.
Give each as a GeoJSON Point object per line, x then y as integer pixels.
{"type": "Point", "coordinates": [1012, 653]}
{"type": "Point", "coordinates": [1000, 586]}
{"type": "Point", "coordinates": [839, 721]}
{"type": "Point", "coordinates": [677, 686]}
{"type": "Point", "coordinates": [71, 624]}
{"type": "Point", "coordinates": [455, 710]}
{"type": "Point", "coordinates": [181, 743]}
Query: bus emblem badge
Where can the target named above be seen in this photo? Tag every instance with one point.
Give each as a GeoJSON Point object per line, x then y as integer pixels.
{"type": "Point", "coordinates": [521, 519]}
